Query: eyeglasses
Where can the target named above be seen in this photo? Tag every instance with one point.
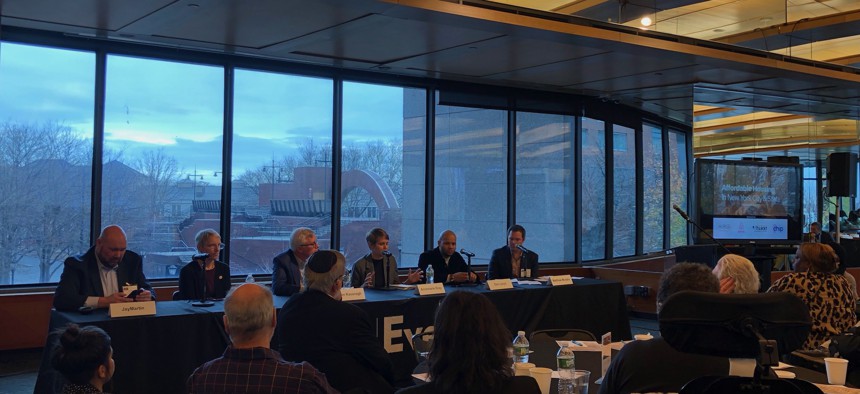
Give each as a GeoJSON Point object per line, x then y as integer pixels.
{"type": "Point", "coordinates": [220, 246]}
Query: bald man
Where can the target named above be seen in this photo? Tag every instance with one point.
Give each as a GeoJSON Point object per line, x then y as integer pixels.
{"type": "Point", "coordinates": [448, 265]}
{"type": "Point", "coordinates": [104, 275]}
{"type": "Point", "coordinates": [249, 365]}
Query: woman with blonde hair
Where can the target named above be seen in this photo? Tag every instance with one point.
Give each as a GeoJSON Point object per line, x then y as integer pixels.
{"type": "Point", "coordinates": [737, 275]}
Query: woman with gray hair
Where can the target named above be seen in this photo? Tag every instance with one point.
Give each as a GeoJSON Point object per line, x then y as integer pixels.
{"type": "Point", "coordinates": [737, 275]}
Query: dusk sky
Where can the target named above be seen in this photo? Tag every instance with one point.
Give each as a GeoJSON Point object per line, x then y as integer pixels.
{"type": "Point", "coordinates": [178, 106]}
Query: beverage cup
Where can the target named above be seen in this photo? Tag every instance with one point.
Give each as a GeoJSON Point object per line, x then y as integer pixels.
{"type": "Point", "coordinates": [837, 368]}
{"type": "Point", "coordinates": [522, 369]}
{"type": "Point", "coordinates": [581, 378]}
{"type": "Point", "coordinates": [543, 376]}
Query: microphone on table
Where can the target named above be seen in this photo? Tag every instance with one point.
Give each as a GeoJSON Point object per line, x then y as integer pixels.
{"type": "Point", "coordinates": [523, 248]}
{"type": "Point", "coordinates": [385, 274]}
{"type": "Point", "coordinates": [681, 212]}
{"type": "Point", "coordinates": [200, 257]}
{"type": "Point", "coordinates": [467, 253]}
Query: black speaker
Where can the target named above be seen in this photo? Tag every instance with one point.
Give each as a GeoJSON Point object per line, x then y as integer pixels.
{"type": "Point", "coordinates": [842, 174]}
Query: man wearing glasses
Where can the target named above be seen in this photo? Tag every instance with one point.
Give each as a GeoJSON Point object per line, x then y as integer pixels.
{"type": "Point", "coordinates": [103, 275]}
{"type": "Point", "coordinates": [286, 275]}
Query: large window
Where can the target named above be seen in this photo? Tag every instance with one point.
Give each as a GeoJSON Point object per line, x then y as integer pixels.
{"type": "Point", "coordinates": [810, 197]}
{"type": "Point", "coordinates": [678, 186]}
{"type": "Point", "coordinates": [282, 163]}
{"type": "Point", "coordinates": [162, 154]}
{"type": "Point", "coordinates": [46, 129]}
{"type": "Point", "coordinates": [383, 128]}
{"type": "Point", "coordinates": [470, 178]}
{"type": "Point", "coordinates": [545, 184]}
{"type": "Point", "coordinates": [652, 170]}
{"type": "Point", "coordinates": [593, 223]}
{"type": "Point", "coordinates": [624, 185]}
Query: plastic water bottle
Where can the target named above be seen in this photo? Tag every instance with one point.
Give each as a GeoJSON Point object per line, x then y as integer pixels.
{"type": "Point", "coordinates": [565, 359]}
{"type": "Point", "coordinates": [521, 348]}
{"type": "Point", "coordinates": [428, 274]}
{"type": "Point", "coordinates": [249, 279]}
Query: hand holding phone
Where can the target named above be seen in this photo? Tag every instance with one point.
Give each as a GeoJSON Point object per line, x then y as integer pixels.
{"type": "Point", "coordinates": [134, 294]}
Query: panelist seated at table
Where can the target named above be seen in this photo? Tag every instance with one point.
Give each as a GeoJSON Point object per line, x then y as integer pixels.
{"type": "Point", "coordinates": [287, 266]}
{"type": "Point", "coordinates": [336, 337]}
{"type": "Point", "coordinates": [511, 261]}
{"type": "Point", "coordinates": [448, 265]}
{"type": "Point", "coordinates": [103, 275]}
{"type": "Point", "coordinates": [248, 364]}
{"type": "Point", "coordinates": [469, 353]}
{"type": "Point", "coordinates": [216, 275]}
{"type": "Point", "coordinates": [84, 357]}
{"type": "Point", "coordinates": [379, 266]}
{"type": "Point", "coordinates": [644, 366]}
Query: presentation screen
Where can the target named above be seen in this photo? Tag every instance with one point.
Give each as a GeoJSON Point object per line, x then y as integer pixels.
{"type": "Point", "coordinates": [742, 202]}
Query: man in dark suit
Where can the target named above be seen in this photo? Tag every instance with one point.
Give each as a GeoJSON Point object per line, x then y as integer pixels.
{"type": "Point", "coordinates": [510, 261]}
{"type": "Point", "coordinates": [818, 235]}
{"type": "Point", "coordinates": [335, 337]}
{"type": "Point", "coordinates": [287, 266]}
{"type": "Point", "coordinates": [448, 265]}
{"type": "Point", "coordinates": [103, 275]}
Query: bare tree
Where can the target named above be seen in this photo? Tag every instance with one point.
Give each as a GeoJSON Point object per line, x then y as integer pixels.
{"type": "Point", "coordinates": [161, 174]}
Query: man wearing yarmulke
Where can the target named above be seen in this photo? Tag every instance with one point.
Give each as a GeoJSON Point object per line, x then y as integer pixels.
{"type": "Point", "coordinates": [335, 337]}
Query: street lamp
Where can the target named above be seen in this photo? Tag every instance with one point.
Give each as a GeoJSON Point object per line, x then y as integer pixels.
{"type": "Point", "coordinates": [280, 171]}
{"type": "Point", "coordinates": [194, 177]}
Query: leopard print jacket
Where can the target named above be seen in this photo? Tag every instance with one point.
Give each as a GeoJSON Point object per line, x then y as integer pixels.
{"type": "Point", "coordinates": [830, 299]}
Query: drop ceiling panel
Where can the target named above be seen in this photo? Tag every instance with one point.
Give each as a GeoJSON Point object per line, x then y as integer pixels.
{"type": "Point", "coordinates": [495, 56]}
{"type": "Point", "coordinates": [95, 14]}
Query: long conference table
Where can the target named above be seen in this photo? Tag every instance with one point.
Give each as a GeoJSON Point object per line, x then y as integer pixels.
{"type": "Point", "coordinates": [158, 353]}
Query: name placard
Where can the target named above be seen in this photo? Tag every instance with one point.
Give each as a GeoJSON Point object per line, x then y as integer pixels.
{"type": "Point", "coordinates": [352, 294]}
{"type": "Point", "coordinates": [126, 309]}
{"type": "Point", "coordinates": [500, 284]}
{"type": "Point", "coordinates": [430, 289]}
{"type": "Point", "coordinates": [560, 280]}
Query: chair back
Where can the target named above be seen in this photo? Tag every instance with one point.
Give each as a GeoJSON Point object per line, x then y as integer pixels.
{"type": "Point", "coordinates": [421, 344]}
{"type": "Point", "coordinates": [543, 344]}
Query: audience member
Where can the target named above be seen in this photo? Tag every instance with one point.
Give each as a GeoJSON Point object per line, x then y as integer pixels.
{"type": "Point", "coordinates": [818, 235]}
{"type": "Point", "coordinates": [379, 260]}
{"type": "Point", "coordinates": [737, 275]}
{"type": "Point", "coordinates": [448, 265]}
{"type": "Point", "coordinates": [842, 268]}
{"type": "Point", "coordinates": [336, 337]}
{"type": "Point", "coordinates": [85, 358]}
{"type": "Point", "coordinates": [511, 262]}
{"type": "Point", "coordinates": [829, 296]}
{"type": "Point", "coordinates": [470, 350]}
{"type": "Point", "coordinates": [653, 365]}
{"type": "Point", "coordinates": [103, 275]}
{"type": "Point", "coordinates": [288, 266]}
{"type": "Point", "coordinates": [248, 365]}
{"type": "Point", "coordinates": [216, 274]}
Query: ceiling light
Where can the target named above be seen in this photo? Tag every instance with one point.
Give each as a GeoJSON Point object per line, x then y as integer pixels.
{"type": "Point", "coordinates": [646, 21]}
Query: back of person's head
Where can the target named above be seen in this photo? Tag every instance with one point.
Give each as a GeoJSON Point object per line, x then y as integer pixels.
{"type": "Point", "coordinates": [248, 312]}
{"type": "Point", "coordinates": [686, 276]}
{"type": "Point", "coordinates": [816, 257]}
{"type": "Point", "coordinates": [80, 353]}
{"type": "Point", "coordinates": [470, 345]}
{"type": "Point", "coordinates": [323, 270]}
{"type": "Point", "coordinates": [741, 270]}
{"type": "Point", "coordinates": [840, 255]}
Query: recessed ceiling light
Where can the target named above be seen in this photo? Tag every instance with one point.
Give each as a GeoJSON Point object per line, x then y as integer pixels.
{"type": "Point", "coordinates": [646, 21]}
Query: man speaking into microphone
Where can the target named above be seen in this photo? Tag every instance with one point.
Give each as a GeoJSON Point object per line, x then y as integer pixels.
{"type": "Point", "coordinates": [513, 260]}
{"type": "Point", "coordinates": [448, 265]}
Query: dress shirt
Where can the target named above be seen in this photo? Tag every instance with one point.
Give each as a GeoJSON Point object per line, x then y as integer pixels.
{"type": "Point", "coordinates": [109, 284]}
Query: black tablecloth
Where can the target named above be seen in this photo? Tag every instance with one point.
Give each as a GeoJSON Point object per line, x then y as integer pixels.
{"type": "Point", "coordinates": [157, 353]}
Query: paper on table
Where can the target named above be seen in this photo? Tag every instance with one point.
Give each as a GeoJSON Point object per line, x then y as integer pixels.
{"type": "Point", "coordinates": [403, 287]}
{"type": "Point", "coordinates": [424, 377]}
{"type": "Point", "coordinates": [835, 389]}
{"type": "Point", "coordinates": [529, 282]}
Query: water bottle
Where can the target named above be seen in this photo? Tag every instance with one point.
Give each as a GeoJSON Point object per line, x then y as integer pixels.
{"type": "Point", "coordinates": [521, 348]}
{"type": "Point", "coordinates": [565, 358]}
{"type": "Point", "coordinates": [249, 279]}
{"type": "Point", "coordinates": [428, 274]}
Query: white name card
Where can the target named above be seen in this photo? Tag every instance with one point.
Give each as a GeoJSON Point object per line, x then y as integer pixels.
{"type": "Point", "coordinates": [430, 289]}
{"type": "Point", "coordinates": [352, 294]}
{"type": "Point", "coordinates": [560, 280]}
{"type": "Point", "coordinates": [126, 309]}
{"type": "Point", "coordinates": [500, 284]}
